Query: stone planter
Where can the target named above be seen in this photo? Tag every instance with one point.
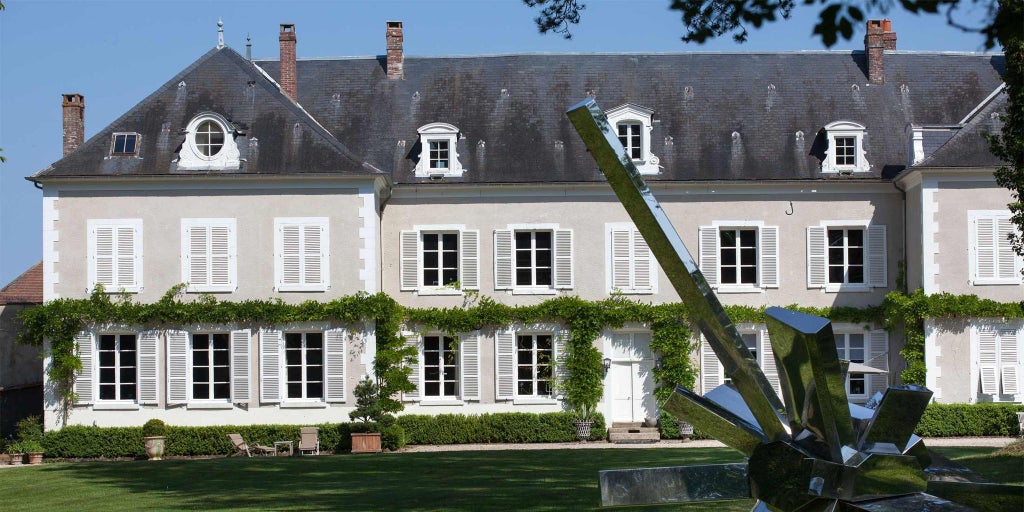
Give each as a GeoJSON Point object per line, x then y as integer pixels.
{"type": "Point", "coordinates": [685, 430]}
{"type": "Point", "coordinates": [16, 458]}
{"type": "Point", "coordinates": [583, 429]}
{"type": "Point", "coordinates": [155, 447]}
{"type": "Point", "coordinates": [34, 458]}
{"type": "Point", "coordinates": [366, 443]}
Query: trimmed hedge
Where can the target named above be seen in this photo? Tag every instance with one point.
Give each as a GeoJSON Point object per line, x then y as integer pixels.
{"type": "Point", "coordinates": [957, 420]}
{"type": "Point", "coordinates": [90, 442]}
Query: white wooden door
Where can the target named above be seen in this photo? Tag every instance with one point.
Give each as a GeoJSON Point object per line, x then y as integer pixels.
{"type": "Point", "coordinates": [633, 391]}
{"type": "Point", "coordinates": [622, 392]}
{"type": "Point", "coordinates": [644, 404]}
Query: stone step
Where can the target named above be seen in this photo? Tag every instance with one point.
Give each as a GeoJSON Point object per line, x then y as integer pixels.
{"type": "Point", "coordinates": [632, 430]}
{"type": "Point", "coordinates": [626, 424]}
{"type": "Point", "coordinates": [651, 436]}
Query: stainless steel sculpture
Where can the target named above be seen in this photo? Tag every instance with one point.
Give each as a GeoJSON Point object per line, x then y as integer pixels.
{"type": "Point", "coordinates": [811, 450]}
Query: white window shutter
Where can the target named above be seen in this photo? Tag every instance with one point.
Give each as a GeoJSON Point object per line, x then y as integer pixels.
{"type": "Point", "coordinates": [769, 264]}
{"type": "Point", "coordinates": [149, 362]}
{"type": "Point", "coordinates": [102, 257]}
{"type": "Point", "coordinates": [240, 342]}
{"type": "Point", "coordinates": [469, 266]}
{"type": "Point", "coordinates": [643, 263]}
{"type": "Point", "coordinates": [177, 367]}
{"type": "Point", "coordinates": [984, 248]}
{"type": "Point", "coordinates": [470, 367]}
{"type": "Point", "coordinates": [503, 259]}
{"type": "Point", "coordinates": [290, 257]}
{"type": "Point", "coordinates": [409, 260]}
{"type": "Point", "coordinates": [128, 256]}
{"type": "Point", "coordinates": [768, 366]}
{"type": "Point", "coordinates": [270, 365]}
{"type": "Point", "coordinates": [221, 257]}
{"type": "Point", "coordinates": [878, 357]}
{"type": "Point", "coordinates": [1008, 350]}
{"type": "Point", "coordinates": [987, 361]}
{"type": "Point", "coordinates": [817, 261]}
{"type": "Point", "coordinates": [84, 381]}
{"type": "Point", "coordinates": [877, 275]}
{"type": "Point", "coordinates": [709, 254]}
{"type": "Point", "coordinates": [413, 341]}
{"type": "Point", "coordinates": [563, 259]}
{"type": "Point", "coordinates": [710, 370]}
{"type": "Point", "coordinates": [505, 362]}
{"type": "Point", "coordinates": [561, 373]}
{"type": "Point", "coordinates": [313, 254]}
{"type": "Point", "coordinates": [1007, 268]}
{"type": "Point", "coordinates": [621, 264]}
{"type": "Point", "coordinates": [334, 365]}
{"type": "Point", "coordinates": [198, 261]}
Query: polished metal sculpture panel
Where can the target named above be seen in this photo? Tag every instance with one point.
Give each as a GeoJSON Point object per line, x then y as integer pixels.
{"type": "Point", "coordinates": [810, 450]}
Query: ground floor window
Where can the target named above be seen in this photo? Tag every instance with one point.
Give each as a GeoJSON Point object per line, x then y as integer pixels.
{"type": "Point", "coordinates": [440, 367]}
{"type": "Point", "coordinates": [534, 354]}
{"type": "Point", "coordinates": [211, 372]}
{"type": "Point", "coordinates": [304, 364]}
{"type": "Point", "coordinates": [118, 365]}
{"type": "Point", "coordinates": [851, 348]}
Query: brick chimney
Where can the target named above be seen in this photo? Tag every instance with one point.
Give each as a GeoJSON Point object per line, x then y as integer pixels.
{"type": "Point", "coordinates": [289, 84]}
{"type": "Point", "coordinates": [879, 38]}
{"type": "Point", "coordinates": [395, 57]}
{"type": "Point", "coordinates": [74, 121]}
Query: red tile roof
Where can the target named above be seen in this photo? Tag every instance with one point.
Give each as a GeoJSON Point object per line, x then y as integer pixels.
{"type": "Point", "coordinates": [26, 289]}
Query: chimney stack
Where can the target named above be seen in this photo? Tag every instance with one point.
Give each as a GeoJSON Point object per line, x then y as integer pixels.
{"type": "Point", "coordinates": [289, 84]}
{"type": "Point", "coordinates": [878, 39]}
{"type": "Point", "coordinates": [74, 121]}
{"type": "Point", "coordinates": [395, 56]}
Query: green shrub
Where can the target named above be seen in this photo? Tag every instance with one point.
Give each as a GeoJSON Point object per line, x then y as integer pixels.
{"type": "Point", "coordinates": [668, 425]}
{"type": "Point", "coordinates": [986, 419]}
{"type": "Point", "coordinates": [30, 429]}
{"type": "Point", "coordinates": [514, 427]}
{"type": "Point", "coordinates": [392, 437]}
{"type": "Point", "coordinates": [154, 428]}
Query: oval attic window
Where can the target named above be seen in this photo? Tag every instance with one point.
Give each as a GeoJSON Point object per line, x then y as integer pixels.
{"type": "Point", "coordinates": [209, 138]}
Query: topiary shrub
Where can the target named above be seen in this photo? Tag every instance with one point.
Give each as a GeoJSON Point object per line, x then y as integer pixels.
{"type": "Point", "coordinates": [30, 429]}
{"type": "Point", "coordinates": [392, 437]}
{"type": "Point", "coordinates": [154, 428]}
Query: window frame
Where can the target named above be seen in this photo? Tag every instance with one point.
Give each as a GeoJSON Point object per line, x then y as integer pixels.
{"type": "Point", "coordinates": [190, 157]}
{"type": "Point", "coordinates": [973, 217]}
{"type": "Point", "coordinates": [191, 383]}
{"type": "Point", "coordinates": [280, 223]}
{"type": "Point", "coordinates": [767, 262]}
{"type": "Point", "coordinates": [435, 133]}
{"type": "Point", "coordinates": [629, 113]}
{"type": "Point", "coordinates": [187, 224]}
{"type": "Point", "coordinates": [634, 272]}
{"type": "Point", "coordinates": [976, 394]}
{"type": "Point", "coordinates": [117, 368]}
{"type": "Point", "coordinates": [113, 143]}
{"type": "Point", "coordinates": [441, 381]}
{"type": "Point", "coordinates": [871, 230]}
{"type": "Point", "coordinates": [304, 382]}
{"type": "Point", "coordinates": [846, 264]}
{"type": "Point", "coordinates": [534, 365]}
{"type": "Point", "coordinates": [845, 129]}
{"type": "Point", "coordinates": [866, 350]}
{"type": "Point", "coordinates": [533, 266]}
{"type": "Point", "coordinates": [738, 262]}
{"type": "Point", "coordinates": [92, 257]}
{"type": "Point", "coordinates": [468, 259]}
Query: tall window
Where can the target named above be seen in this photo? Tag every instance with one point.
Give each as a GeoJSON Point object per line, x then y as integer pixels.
{"type": "Point", "coordinates": [211, 372]}
{"type": "Point", "coordinates": [846, 256]}
{"type": "Point", "coordinates": [533, 258]}
{"type": "Point", "coordinates": [846, 151]}
{"type": "Point", "coordinates": [629, 136]}
{"type": "Point", "coordinates": [440, 258]}
{"type": "Point", "coordinates": [750, 340]}
{"type": "Point", "coordinates": [439, 154]}
{"type": "Point", "coordinates": [738, 248]}
{"type": "Point", "coordinates": [534, 354]}
{"type": "Point", "coordinates": [440, 367]}
{"type": "Point", "coordinates": [304, 363]}
{"type": "Point", "coordinates": [118, 363]}
{"type": "Point", "coordinates": [851, 348]}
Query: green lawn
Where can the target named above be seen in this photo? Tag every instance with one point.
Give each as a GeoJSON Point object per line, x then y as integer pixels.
{"type": "Point", "coordinates": [496, 480]}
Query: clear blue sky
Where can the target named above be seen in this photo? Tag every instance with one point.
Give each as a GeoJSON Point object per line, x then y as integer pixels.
{"type": "Point", "coordinates": [118, 52]}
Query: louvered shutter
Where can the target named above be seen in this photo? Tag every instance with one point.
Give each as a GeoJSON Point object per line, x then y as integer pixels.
{"type": "Point", "coordinates": [709, 254]}
{"type": "Point", "coordinates": [149, 346]}
{"type": "Point", "coordinates": [270, 365]}
{"type": "Point", "coordinates": [84, 385]}
{"type": "Point", "coordinates": [128, 256]}
{"type": "Point", "coordinates": [621, 265]}
{"type": "Point", "coordinates": [985, 248]}
{"type": "Point", "coordinates": [768, 366]}
{"type": "Point", "coordinates": [413, 340]}
{"type": "Point", "coordinates": [177, 367]}
{"type": "Point", "coordinates": [877, 264]}
{"type": "Point", "coordinates": [409, 260]}
{"type": "Point", "coordinates": [470, 368]}
{"type": "Point", "coordinates": [987, 361]}
{"type": "Point", "coordinates": [197, 261]}
{"type": "Point", "coordinates": [1008, 347]}
{"type": "Point", "coordinates": [563, 259]}
{"type": "Point", "coordinates": [103, 257]}
{"type": "Point", "coordinates": [769, 264]}
{"type": "Point", "coordinates": [334, 365]}
{"type": "Point", "coordinates": [314, 254]}
{"type": "Point", "coordinates": [505, 362]}
{"type": "Point", "coordinates": [240, 341]}
{"type": "Point", "coordinates": [1007, 268]}
{"type": "Point", "coordinates": [221, 257]}
{"type": "Point", "coordinates": [643, 264]}
{"type": "Point", "coordinates": [560, 345]}
{"type": "Point", "coordinates": [503, 259]}
{"type": "Point", "coordinates": [710, 370]}
{"type": "Point", "coordinates": [469, 252]}
{"type": "Point", "coordinates": [290, 256]}
{"type": "Point", "coordinates": [878, 357]}
{"type": "Point", "coordinates": [816, 257]}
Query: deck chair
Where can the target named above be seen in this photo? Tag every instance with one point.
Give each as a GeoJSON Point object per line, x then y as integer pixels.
{"type": "Point", "coordinates": [309, 441]}
{"type": "Point", "coordinates": [242, 447]}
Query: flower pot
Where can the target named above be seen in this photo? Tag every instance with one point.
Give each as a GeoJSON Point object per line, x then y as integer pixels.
{"type": "Point", "coordinates": [34, 458]}
{"type": "Point", "coordinates": [16, 458]}
{"type": "Point", "coordinates": [155, 447]}
{"type": "Point", "coordinates": [583, 429]}
{"type": "Point", "coordinates": [685, 430]}
{"type": "Point", "coordinates": [366, 442]}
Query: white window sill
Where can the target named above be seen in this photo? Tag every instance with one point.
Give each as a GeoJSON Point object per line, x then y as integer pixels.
{"type": "Point", "coordinates": [847, 288]}
{"type": "Point", "coordinates": [209, 405]}
{"type": "Point", "coordinates": [534, 291]}
{"type": "Point", "coordinates": [439, 291]}
{"type": "Point", "coordinates": [630, 292]}
{"type": "Point", "coordinates": [443, 402]}
{"type": "Point", "coordinates": [534, 401]}
{"type": "Point", "coordinates": [845, 171]}
{"type": "Point", "coordinates": [318, 288]}
{"type": "Point", "coordinates": [211, 289]}
{"type": "Point", "coordinates": [304, 405]}
{"type": "Point", "coordinates": [990, 282]}
{"type": "Point", "coordinates": [115, 406]}
{"type": "Point", "coordinates": [739, 289]}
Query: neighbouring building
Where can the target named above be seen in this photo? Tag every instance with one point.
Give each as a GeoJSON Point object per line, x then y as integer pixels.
{"type": "Point", "coordinates": [21, 366]}
{"type": "Point", "coordinates": [796, 177]}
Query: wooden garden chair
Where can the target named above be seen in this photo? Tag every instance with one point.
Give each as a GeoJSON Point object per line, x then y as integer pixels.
{"type": "Point", "coordinates": [242, 447]}
{"type": "Point", "coordinates": [309, 441]}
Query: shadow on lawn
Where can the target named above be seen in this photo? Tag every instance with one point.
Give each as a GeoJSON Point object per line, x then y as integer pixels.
{"type": "Point", "coordinates": [498, 480]}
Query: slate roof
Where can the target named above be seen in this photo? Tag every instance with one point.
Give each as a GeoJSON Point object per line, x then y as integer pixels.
{"type": "Point", "coordinates": [26, 288]}
{"type": "Point", "coordinates": [968, 147]}
{"type": "Point", "coordinates": [287, 139]}
{"type": "Point", "coordinates": [521, 135]}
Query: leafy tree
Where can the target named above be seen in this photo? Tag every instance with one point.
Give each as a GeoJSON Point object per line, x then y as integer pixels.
{"type": "Point", "coordinates": [1009, 146]}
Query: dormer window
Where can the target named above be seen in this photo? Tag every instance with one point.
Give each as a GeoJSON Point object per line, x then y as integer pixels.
{"type": "Point", "coordinates": [845, 153]}
{"type": "Point", "coordinates": [633, 125]}
{"type": "Point", "coordinates": [439, 157]}
{"type": "Point", "coordinates": [124, 144]}
{"type": "Point", "coordinates": [209, 144]}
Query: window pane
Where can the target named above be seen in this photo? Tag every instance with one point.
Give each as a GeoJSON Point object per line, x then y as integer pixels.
{"type": "Point", "coordinates": [449, 373]}
{"type": "Point", "coordinates": [200, 391]}
{"type": "Point", "coordinates": [727, 237]}
{"type": "Point", "coordinates": [544, 343]}
{"type": "Point", "coordinates": [524, 258]}
{"type": "Point", "coordinates": [430, 241]}
{"type": "Point", "coordinates": [221, 358]}
{"type": "Point", "coordinates": [856, 256]}
{"type": "Point", "coordinates": [314, 340]}
{"type": "Point", "coordinates": [108, 392]}
{"type": "Point", "coordinates": [836, 256]}
{"type": "Point", "coordinates": [221, 374]}
{"type": "Point", "coordinates": [431, 342]}
{"type": "Point", "coordinates": [293, 357]}
{"type": "Point", "coordinates": [294, 373]}
{"type": "Point", "coordinates": [543, 258]}
{"type": "Point", "coordinates": [430, 278]}
{"type": "Point", "coordinates": [314, 357]}
{"type": "Point", "coordinates": [200, 374]}
{"type": "Point", "coordinates": [543, 388]}
{"type": "Point", "coordinates": [128, 391]}
{"type": "Point", "coordinates": [543, 239]}
{"type": "Point", "coordinates": [432, 389]}
{"type": "Point", "coordinates": [431, 358]}
{"type": "Point", "coordinates": [127, 342]}
{"type": "Point", "coordinates": [431, 373]}
{"type": "Point", "coordinates": [107, 375]}
{"type": "Point", "coordinates": [835, 237]}
{"type": "Point", "coordinates": [855, 237]}
{"type": "Point", "coordinates": [106, 359]}
{"type": "Point", "coordinates": [523, 239]}
{"type": "Point", "coordinates": [201, 358]}
{"type": "Point", "coordinates": [294, 390]}
{"type": "Point", "coordinates": [315, 373]}
{"type": "Point", "coordinates": [450, 240]}
{"type": "Point", "coordinates": [222, 391]}
{"type": "Point", "coordinates": [119, 143]}
{"type": "Point", "coordinates": [525, 387]}
{"type": "Point", "coordinates": [728, 256]}
{"type": "Point", "coordinates": [748, 275]}
{"type": "Point", "coordinates": [292, 340]}
{"type": "Point", "coordinates": [525, 357]}
{"type": "Point", "coordinates": [449, 389]}
{"type": "Point", "coordinates": [748, 256]}
{"type": "Point", "coordinates": [748, 238]}
{"type": "Point", "coordinates": [856, 274]}
{"type": "Point", "coordinates": [450, 259]}
{"type": "Point", "coordinates": [127, 375]}
{"type": "Point", "coordinates": [524, 277]}
{"type": "Point", "coordinates": [836, 274]}
{"type": "Point", "coordinates": [524, 342]}
{"type": "Point", "coordinates": [543, 277]}
{"type": "Point", "coordinates": [450, 276]}
{"type": "Point", "coordinates": [729, 275]}
{"type": "Point", "coordinates": [129, 143]}
{"type": "Point", "coordinates": [430, 259]}
{"type": "Point", "coordinates": [107, 342]}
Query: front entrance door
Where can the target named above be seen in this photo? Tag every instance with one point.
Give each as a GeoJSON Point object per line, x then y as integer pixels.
{"type": "Point", "coordinates": [632, 391]}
